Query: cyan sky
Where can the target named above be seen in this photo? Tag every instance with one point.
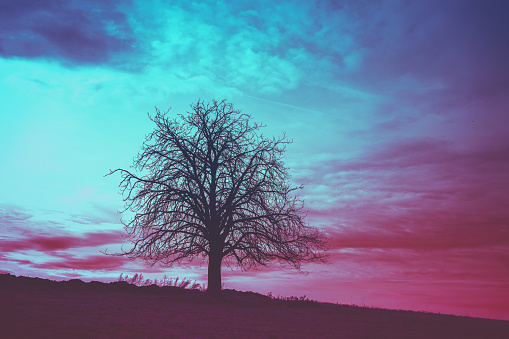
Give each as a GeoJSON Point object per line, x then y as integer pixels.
{"type": "Point", "coordinates": [398, 111]}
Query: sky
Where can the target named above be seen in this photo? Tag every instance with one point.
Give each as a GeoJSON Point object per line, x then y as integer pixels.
{"type": "Point", "coordinates": [398, 112]}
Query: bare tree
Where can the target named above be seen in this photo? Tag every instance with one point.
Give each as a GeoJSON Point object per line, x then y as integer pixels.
{"type": "Point", "coordinates": [209, 185]}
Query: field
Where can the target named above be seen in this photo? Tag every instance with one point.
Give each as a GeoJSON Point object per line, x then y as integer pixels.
{"type": "Point", "coordinates": [39, 308]}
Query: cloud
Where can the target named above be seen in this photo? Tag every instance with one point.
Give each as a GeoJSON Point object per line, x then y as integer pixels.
{"type": "Point", "coordinates": [35, 242]}
{"type": "Point", "coordinates": [417, 194]}
{"type": "Point", "coordinates": [434, 39]}
{"type": "Point", "coordinates": [440, 64]}
{"type": "Point", "coordinates": [43, 252]}
{"type": "Point", "coordinates": [259, 47]}
{"type": "Point", "coordinates": [90, 263]}
{"type": "Point", "coordinates": [10, 216]}
{"type": "Point", "coordinates": [69, 31]}
{"type": "Point", "coordinates": [87, 263]}
{"type": "Point", "coordinates": [47, 243]}
{"type": "Point", "coordinates": [455, 49]}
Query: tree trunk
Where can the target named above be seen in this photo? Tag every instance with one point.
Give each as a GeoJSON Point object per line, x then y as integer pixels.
{"type": "Point", "coordinates": [214, 274]}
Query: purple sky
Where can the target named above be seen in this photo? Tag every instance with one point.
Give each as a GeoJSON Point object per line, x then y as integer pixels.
{"type": "Point", "coordinates": [398, 111]}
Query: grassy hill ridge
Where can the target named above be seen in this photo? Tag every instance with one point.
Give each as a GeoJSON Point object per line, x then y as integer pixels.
{"type": "Point", "coordinates": [35, 307]}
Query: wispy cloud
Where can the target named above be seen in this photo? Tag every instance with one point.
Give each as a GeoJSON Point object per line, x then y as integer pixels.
{"type": "Point", "coordinates": [257, 47]}
{"type": "Point", "coordinates": [50, 243]}
{"type": "Point", "coordinates": [90, 263]}
{"type": "Point", "coordinates": [33, 239]}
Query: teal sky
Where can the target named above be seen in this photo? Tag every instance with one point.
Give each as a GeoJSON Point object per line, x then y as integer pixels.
{"type": "Point", "coordinates": [398, 111]}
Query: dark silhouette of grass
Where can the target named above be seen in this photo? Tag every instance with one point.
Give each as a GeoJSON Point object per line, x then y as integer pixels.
{"type": "Point", "coordinates": [138, 280]}
{"type": "Point", "coordinates": [35, 307]}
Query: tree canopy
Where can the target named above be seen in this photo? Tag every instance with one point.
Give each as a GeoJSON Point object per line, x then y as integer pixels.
{"type": "Point", "coordinates": [207, 184]}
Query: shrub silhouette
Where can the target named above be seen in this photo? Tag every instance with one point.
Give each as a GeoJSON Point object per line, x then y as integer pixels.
{"type": "Point", "coordinates": [139, 280]}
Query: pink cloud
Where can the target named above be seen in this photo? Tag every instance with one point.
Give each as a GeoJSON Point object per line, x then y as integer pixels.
{"type": "Point", "coordinates": [90, 263]}
{"type": "Point", "coordinates": [415, 191]}
{"type": "Point", "coordinates": [59, 253]}
{"type": "Point", "coordinates": [46, 243]}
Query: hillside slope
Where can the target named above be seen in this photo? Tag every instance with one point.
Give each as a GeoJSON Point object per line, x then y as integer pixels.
{"type": "Point", "coordinates": [34, 307]}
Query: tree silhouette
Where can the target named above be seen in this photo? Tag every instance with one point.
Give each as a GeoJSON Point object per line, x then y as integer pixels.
{"type": "Point", "coordinates": [210, 185]}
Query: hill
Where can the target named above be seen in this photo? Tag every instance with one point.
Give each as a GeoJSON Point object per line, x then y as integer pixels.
{"type": "Point", "coordinates": [35, 307]}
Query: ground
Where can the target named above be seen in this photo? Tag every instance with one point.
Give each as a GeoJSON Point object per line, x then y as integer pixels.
{"type": "Point", "coordinates": [39, 308]}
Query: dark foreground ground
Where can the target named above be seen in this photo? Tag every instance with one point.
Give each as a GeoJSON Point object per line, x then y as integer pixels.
{"type": "Point", "coordinates": [39, 308]}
